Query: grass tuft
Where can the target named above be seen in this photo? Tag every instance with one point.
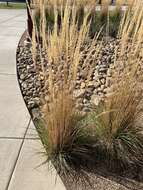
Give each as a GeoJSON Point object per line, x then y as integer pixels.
{"type": "Point", "coordinates": [112, 133]}
{"type": "Point", "coordinates": [63, 136]}
{"type": "Point", "coordinates": [117, 122]}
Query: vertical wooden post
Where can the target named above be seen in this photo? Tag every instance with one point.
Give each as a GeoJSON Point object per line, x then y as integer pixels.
{"type": "Point", "coordinates": [29, 21]}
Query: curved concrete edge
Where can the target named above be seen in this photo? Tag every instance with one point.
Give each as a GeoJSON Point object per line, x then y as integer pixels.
{"type": "Point", "coordinates": [25, 176]}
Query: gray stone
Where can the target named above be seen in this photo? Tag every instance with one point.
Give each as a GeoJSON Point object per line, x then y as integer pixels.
{"type": "Point", "coordinates": [97, 84]}
{"type": "Point", "coordinates": [36, 100]}
{"type": "Point", "coordinates": [91, 84]}
{"type": "Point", "coordinates": [79, 93]}
{"type": "Point", "coordinates": [24, 85]}
{"type": "Point", "coordinates": [22, 76]}
{"type": "Point", "coordinates": [83, 85]}
{"type": "Point", "coordinates": [95, 100]}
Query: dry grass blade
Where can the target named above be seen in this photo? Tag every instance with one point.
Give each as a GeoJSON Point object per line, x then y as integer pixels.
{"type": "Point", "coordinates": [112, 131]}
{"type": "Point", "coordinates": [117, 123]}
{"type": "Point", "coordinates": [64, 137]}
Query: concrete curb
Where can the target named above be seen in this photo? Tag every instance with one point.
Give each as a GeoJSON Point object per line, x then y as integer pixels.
{"type": "Point", "coordinates": [39, 179]}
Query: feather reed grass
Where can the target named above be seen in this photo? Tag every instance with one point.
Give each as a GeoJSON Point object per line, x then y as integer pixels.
{"type": "Point", "coordinates": [112, 132]}
{"type": "Point", "coordinates": [117, 123]}
{"type": "Point", "coordinates": [66, 140]}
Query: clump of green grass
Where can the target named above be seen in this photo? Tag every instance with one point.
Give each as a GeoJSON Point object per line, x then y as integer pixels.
{"type": "Point", "coordinates": [64, 137]}
{"type": "Point", "coordinates": [67, 140]}
{"type": "Point", "coordinates": [117, 123]}
{"type": "Point", "coordinates": [118, 138]}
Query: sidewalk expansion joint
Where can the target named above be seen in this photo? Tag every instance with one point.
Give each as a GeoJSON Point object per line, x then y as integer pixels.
{"type": "Point", "coordinates": [11, 18]}
{"type": "Point", "coordinates": [19, 138]}
{"type": "Point", "coordinates": [13, 169]}
{"type": "Point", "coordinates": [7, 74]}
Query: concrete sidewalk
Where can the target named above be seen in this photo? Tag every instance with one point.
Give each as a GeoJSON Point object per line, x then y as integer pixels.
{"type": "Point", "coordinates": [18, 138]}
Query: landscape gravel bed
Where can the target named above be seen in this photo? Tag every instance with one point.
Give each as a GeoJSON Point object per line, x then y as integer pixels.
{"type": "Point", "coordinates": [88, 94]}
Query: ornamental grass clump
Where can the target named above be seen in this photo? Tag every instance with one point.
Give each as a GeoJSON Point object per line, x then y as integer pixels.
{"type": "Point", "coordinates": [117, 122]}
{"type": "Point", "coordinates": [112, 133]}
{"type": "Point", "coordinates": [64, 137]}
{"type": "Point", "coordinates": [66, 144]}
